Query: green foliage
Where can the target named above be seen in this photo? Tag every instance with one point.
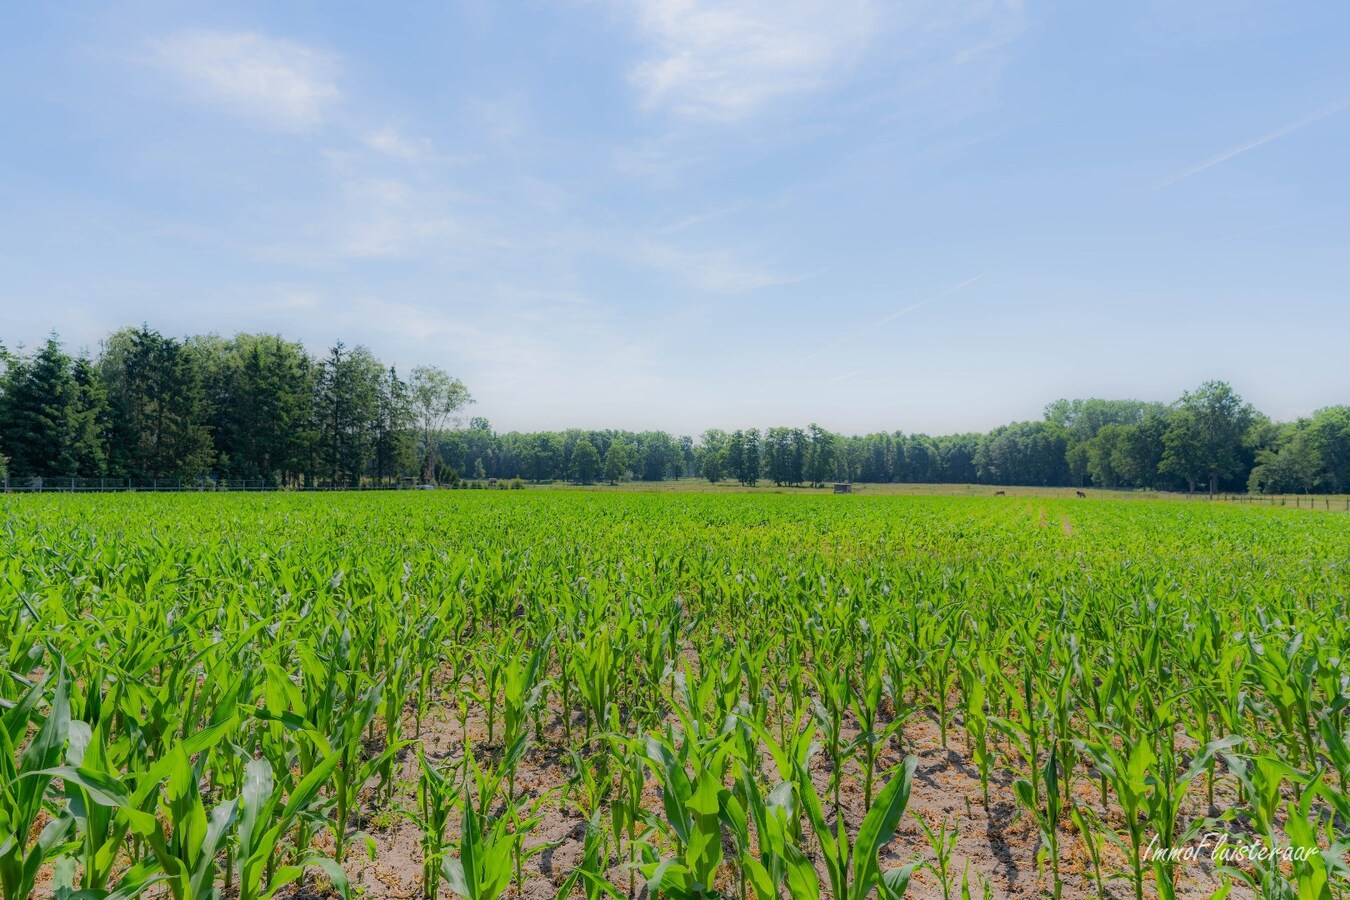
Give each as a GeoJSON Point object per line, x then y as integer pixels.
{"type": "Point", "coordinates": [24, 777]}
{"type": "Point", "coordinates": [52, 414]}
{"type": "Point", "coordinates": [209, 695]}
{"type": "Point", "coordinates": [618, 459]}
{"type": "Point", "coordinates": [585, 461]}
{"type": "Point", "coordinates": [433, 400]}
{"type": "Point", "coordinates": [256, 407]}
{"type": "Point", "coordinates": [1204, 435]}
{"type": "Point", "coordinates": [156, 406]}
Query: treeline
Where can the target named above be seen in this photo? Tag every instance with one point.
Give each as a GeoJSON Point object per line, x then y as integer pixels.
{"type": "Point", "coordinates": [258, 407]}
{"type": "Point", "coordinates": [1209, 439]}
{"type": "Point", "coordinates": [252, 407]}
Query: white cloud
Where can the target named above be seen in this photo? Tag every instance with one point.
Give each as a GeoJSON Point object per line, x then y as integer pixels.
{"type": "Point", "coordinates": [726, 60]}
{"type": "Point", "coordinates": [278, 83]}
{"type": "Point", "coordinates": [729, 59]}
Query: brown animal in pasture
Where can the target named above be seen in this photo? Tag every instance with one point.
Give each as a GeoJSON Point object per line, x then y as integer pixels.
{"type": "Point", "coordinates": [1000, 493]}
{"type": "Point", "coordinates": [1081, 495]}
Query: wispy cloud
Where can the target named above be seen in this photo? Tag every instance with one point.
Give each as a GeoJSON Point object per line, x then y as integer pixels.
{"type": "Point", "coordinates": [717, 272]}
{"type": "Point", "coordinates": [392, 142]}
{"type": "Point", "coordinates": [277, 83]}
{"type": "Point", "coordinates": [699, 219]}
{"type": "Point", "coordinates": [1231, 152]}
{"type": "Point", "coordinates": [725, 60]}
{"type": "Point", "coordinates": [390, 228]}
{"type": "Point", "coordinates": [886, 320]}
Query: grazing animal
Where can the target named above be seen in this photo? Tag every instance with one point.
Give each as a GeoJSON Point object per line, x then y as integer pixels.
{"type": "Point", "coordinates": [1081, 495]}
{"type": "Point", "coordinates": [1000, 493]}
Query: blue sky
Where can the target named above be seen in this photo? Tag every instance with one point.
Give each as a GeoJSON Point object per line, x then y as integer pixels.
{"type": "Point", "coordinates": [931, 216]}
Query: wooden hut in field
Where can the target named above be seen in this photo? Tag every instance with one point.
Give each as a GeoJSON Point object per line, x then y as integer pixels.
{"type": "Point", "coordinates": [843, 488]}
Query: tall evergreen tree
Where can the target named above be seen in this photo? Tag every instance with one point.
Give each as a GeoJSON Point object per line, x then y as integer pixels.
{"type": "Point", "coordinates": [347, 411]}
{"type": "Point", "coordinates": [52, 414]}
{"type": "Point", "coordinates": [38, 392]}
{"type": "Point", "coordinates": [87, 422]}
{"type": "Point", "coordinates": [157, 407]}
{"type": "Point", "coordinates": [822, 455]}
{"type": "Point", "coordinates": [395, 443]}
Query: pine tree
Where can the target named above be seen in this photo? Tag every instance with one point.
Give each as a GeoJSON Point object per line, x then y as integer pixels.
{"type": "Point", "coordinates": [52, 414]}
{"type": "Point", "coordinates": [157, 407]}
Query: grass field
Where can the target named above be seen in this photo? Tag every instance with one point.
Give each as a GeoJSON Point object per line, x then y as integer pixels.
{"type": "Point", "coordinates": [688, 693]}
{"type": "Point", "coordinates": [1324, 502]}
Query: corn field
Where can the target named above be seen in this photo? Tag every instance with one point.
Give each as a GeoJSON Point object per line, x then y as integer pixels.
{"type": "Point", "coordinates": [549, 694]}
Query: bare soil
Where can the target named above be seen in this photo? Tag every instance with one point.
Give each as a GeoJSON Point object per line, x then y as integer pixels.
{"type": "Point", "coordinates": [997, 846]}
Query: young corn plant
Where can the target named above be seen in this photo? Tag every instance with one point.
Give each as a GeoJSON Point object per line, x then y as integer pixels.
{"type": "Point", "coordinates": [491, 662]}
{"type": "Point", "coordinates": [437, 797]}
{"type": "Point", "coordinates": [987, 889]}
{"type": "Point", "coordinates": [24, 778]}
{"type": "Point", "coordinates": [596, 856]}
{"type": "Point", "coordinates": [1336, 749]}
{"type": "Point", "coordinates": [627, 817]}
{"type": "Point", "coordinates": [186, 856]}
{"type": "Point", "coordinates": [1128, 773]}
{"type": "Point", "coordinates": [942, 842]}
{"type": "Point", "coordinates": [1312, 871]}
{"type": "Point", "coordinates": [873, 734]}
{"type": "Point", "coordinates": [976, 721]}
{"type": "Point", "coordinates": [788, 758]}
{"type": "Point", "coordinates": [597, 674]}
{"type": "Point", "coordinates": [1022, 729]}
{"type": "Point", "coordinates": [854, 867]}
{"type": "Point", "coordinates": [1259, 780]}
{"type": "Point", "coordinates": [1046, 814]}
{"type": "Point", "coordinates": [94, 793]}
{"type": "Point", "coordinates": [941, 680]}
{"type": "Point", "coordinates": [695, 803]}
{"type": "Point", "coordinates": [353, 771]}
{"type": "Point", "coordinates": [832, 685]}
{"type": "Point", "coordinates": [773, 860]}
{"type": "Point", "coordinates": [491, 847]}
{"type": "Point", "coordinates": [1088, 825]}
{"type": "Point", "coordinates": [522, 691]}
{"type": "Point", "coordinates": [265, 817]}
{"type": "Point", "coordinates": [1289, 679]}
{"type": "Point", "coordinates": [394, 695]}
{"type": "Point", "coordinates": [1168, 786]}
{"type": "Point", "coordinates": [901, 675]}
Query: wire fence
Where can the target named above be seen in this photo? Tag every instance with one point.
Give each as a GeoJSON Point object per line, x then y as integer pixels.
{"type": "Point", "coordinates": [77, 485]}
{"type": "Point", "coordinates": [1297, 501]}
{"type": "Point", "coordinates": [69, 485]}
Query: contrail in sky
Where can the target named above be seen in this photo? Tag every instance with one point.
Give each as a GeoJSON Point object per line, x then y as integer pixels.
{"type": "Point", "coordinates": [1253, 144]}
{"type": "Point", "coordinates": [892, 317]}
